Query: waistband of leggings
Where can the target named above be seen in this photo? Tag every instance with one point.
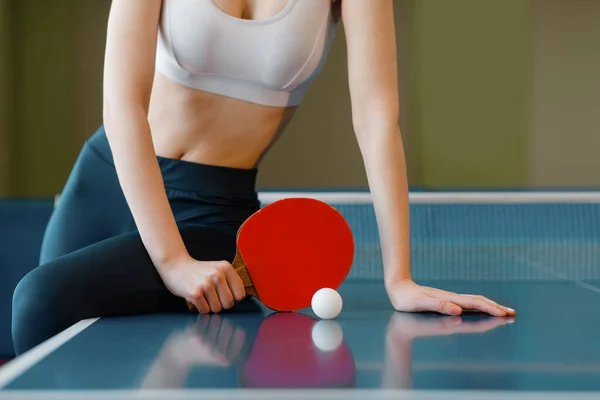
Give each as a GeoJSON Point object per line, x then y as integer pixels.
{"type": "Point", "coordinates": [191, 176]}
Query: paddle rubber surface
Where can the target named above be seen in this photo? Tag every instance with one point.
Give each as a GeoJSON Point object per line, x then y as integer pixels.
{"type": "Point", "coordinates": [294, 247]}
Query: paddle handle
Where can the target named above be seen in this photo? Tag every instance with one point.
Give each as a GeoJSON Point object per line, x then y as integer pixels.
{"type": "Point", "coordinates": [240, 267]}
{"type": "Point", "coordinates": [242, 271]}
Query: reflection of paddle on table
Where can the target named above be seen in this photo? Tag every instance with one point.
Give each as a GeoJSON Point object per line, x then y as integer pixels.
{"type": "Point", "coordinates": [284, 355]}
{"type": "Point", "coordinates": [290, 249]}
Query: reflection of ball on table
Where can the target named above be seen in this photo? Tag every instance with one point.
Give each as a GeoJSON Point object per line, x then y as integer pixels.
{"type": "Point", "coordinates": [326, 303]}
{"type": "Point", "coordinates": [327, 335]}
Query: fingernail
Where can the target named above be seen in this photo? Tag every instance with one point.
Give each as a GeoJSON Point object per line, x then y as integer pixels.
{"type": "Point", "coordinates": [510, 309]}
{"type": "Point", "coordinates": [455, 310]}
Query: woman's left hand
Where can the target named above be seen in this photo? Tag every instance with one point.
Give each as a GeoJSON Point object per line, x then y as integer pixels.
{"type": "Point", "coordinates": [406, 295]}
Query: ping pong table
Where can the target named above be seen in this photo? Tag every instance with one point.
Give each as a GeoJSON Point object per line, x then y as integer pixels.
{"type": "Point", "coordinates": [535, 252]}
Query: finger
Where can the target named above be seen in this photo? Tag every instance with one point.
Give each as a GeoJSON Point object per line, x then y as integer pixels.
{"type": "Point", "coordinates": [222, 288]}
{"type": "Point", "coordinates": [478, 300]}
{"type": "Point", "coordinates": [452, 296]}
{"type": "Point", "coordinates": [202, 305]}
{"type": "Point", "coordinates": [442, 306]}
{"type": "Point", "coordinates": [474, 303]}
{"type": "Point", "coordinates": [482, 298]}
{"type": "Point", "coordinates": [211, 296]}
{"type": "Point", "coordinates": [200, 302]}
{"type": "Point", "coordinates": [235, 283]}
{"type": "Point", "coordinates": [508, 310]}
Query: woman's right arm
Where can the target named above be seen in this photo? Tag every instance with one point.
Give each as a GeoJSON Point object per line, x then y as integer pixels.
{"type": "Point", "coordinates": [128, 76]}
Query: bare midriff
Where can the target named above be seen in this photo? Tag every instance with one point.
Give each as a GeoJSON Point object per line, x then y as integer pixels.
{"type": "Point", "coordinates": [196, 126]}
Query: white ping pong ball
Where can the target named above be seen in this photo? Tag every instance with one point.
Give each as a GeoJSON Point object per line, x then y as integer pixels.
{"type": "Point", "coordinates": [327, 335]}
{"type": "Point", "coordinates": [326, 303]}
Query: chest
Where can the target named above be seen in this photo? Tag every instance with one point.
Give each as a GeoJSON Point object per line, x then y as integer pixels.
{"type": "Point", "coordinates": [255, 10]}
{"type": "Point", "coordinates": [275, 42]}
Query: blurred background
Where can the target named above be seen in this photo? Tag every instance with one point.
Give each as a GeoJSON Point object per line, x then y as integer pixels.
{"type": "Point", "coordinates": [494, 94]}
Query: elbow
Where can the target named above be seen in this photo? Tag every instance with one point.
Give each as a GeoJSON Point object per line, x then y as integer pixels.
{"type": "Point", "coordinates": [107, 113]}
{"type": "Point", "coordinates": [111, 113]}
{"type": "Point", "coordinates": [121, 113]}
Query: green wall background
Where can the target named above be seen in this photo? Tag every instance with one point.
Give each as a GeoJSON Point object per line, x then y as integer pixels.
{"type": "Point", "coordinates": [471, 64]}
{"type": "Point", "coordinates": [565, 126]}
{"type": "Point", "coordinates": [5, 74]}
{"type": "Point", "coordinates": [37, 123]}
{"type": "Point", "coordinates": [474, 82]}
{"type": "Point", "coordinates": [43, 94]}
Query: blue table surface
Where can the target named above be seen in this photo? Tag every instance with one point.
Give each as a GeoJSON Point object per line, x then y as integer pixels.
{"type": "Point", "coordinates": [550, 346]}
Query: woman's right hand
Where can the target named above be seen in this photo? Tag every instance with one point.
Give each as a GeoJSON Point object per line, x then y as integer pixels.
{"type": "Point", "coordinates": [211, 286]}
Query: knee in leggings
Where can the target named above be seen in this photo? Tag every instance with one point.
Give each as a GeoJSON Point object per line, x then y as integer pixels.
{"type": "Point", "coordinates": [38, 309]}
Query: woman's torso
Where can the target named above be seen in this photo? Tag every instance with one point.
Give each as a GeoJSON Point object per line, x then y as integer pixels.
{"type": "Point", "coordinates": [226, 87]}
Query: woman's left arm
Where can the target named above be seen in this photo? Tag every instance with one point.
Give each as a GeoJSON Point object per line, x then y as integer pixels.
{"type": "Point", "coordinates": [372, 69]}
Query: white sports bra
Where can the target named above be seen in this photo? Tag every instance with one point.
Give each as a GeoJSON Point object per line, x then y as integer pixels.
{"type": "Point", "coordinates": [269, 61]}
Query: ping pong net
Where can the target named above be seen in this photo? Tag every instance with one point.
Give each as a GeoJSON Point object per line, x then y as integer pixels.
{"type": "Point", "coordinates": [480, 235]}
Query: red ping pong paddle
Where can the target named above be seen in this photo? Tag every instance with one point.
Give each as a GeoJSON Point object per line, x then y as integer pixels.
{"type": "Point", "coordinates": [284, 356]}
{"type": "Point", "coordinates": [291, 248]}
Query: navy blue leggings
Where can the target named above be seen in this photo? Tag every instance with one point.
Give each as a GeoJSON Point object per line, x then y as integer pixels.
{"type": "Point", "coordinates": [93, 262]}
